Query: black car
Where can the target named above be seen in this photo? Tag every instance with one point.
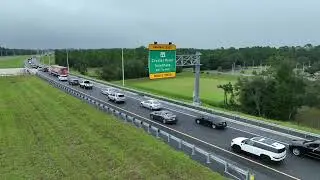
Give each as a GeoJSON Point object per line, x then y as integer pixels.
{"type": "Point", "coordinates": [164, 116]}
{"type": "Point", "coordinates": [305, 147]}
{"type": "Point", "coordinates": [73, 81]}
{"type": "Point", "coordinates": [214, 122]}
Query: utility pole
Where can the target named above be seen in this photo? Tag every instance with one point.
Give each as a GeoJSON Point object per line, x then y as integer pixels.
{"type": "Point", "coordinates": [68, 60]}
{"type": "Point", "coordinates": [122, 67]}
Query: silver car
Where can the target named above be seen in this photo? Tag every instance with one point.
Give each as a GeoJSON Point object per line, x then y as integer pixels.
{"type": "Point", "coordinates": [107, 91]}
{"type": "Point", "coordinates": [151, 104]}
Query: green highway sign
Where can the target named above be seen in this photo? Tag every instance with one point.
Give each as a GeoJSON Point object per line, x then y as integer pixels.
{"type": "Point", "coordinates": [162, 61]}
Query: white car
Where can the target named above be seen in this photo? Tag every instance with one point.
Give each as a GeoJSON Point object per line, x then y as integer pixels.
{"type": "Point", "coordinates": [116, 97]}
{"type": "Point", "coordinates": [86, 84]}
{"type": "Point", "coordinates": [151, 104]}
{"type": "Point", "coordinates": [107, 91]}
{"type": "Point", "coordinates": [266, 149]}
{"type": "Point", "coordinates": [63, 77]}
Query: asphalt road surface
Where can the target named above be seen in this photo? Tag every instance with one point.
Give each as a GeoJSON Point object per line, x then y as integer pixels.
{"type": "Point", "coordinates": [210, 139]}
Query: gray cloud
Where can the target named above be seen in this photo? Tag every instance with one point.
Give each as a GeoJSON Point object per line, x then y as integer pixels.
{"type": "Point", "coordinates": [128, 23]}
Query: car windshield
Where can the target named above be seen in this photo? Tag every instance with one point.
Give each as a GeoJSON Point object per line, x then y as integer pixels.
{"type": "Point", "coordinates": [154, 102]}
{"type": "Point", "coordinates": [168, 113]}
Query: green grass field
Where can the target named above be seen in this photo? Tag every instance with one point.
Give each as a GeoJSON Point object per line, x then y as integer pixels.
{"type": "Point", "coordinates": [47, 134]}
{"type": "Point", "coordinates": [182, 86]}
{"type": "Point", "coordinates": [12, 61]}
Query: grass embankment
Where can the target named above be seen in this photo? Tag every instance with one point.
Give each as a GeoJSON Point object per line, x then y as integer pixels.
{"type": "Point", "coordinates": [47, 134]}
{"type": "Point", "coordinates": [12, 61]}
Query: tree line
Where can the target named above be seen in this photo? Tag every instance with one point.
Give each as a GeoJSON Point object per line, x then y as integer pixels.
{"type": "Point", "coordinates": [276, 93]}
{"type": "Point", "coordinates": [16, 52]}
{"type": "Point", "coordinates": [136, 60]}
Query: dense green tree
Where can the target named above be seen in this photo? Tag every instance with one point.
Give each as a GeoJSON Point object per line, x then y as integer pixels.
{"type": "Point", "coordinates": [277, 96]}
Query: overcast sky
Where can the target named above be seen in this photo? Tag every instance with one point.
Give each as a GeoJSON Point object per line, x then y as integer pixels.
{"type": "Point", "coordinates": [132, 23]}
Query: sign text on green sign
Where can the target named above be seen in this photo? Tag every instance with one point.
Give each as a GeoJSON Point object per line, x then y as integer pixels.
{"type": "Point", "coordinates": [162, 61]}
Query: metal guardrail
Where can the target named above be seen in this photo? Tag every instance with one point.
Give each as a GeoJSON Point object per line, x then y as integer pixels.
{"type": "Point", "coordinates": [267, 125]}
{"type": "Point", "coordinates": [229, 170]}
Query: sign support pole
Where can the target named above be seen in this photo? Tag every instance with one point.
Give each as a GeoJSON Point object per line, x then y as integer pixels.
{"type": "Point", "coordinates": [196, 99]}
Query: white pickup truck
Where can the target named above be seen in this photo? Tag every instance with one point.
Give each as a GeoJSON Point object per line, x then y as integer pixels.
{"type": "Point", "coordinates": [86, 84]}
{"type": "Point", "coordinates": [116, 97]}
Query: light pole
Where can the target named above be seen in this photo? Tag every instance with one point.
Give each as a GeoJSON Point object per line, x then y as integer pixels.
{"type": "Point", "coordinates": [49, 58]}
{"type": "Point", "coordinates": [67, 59]}
{"type": "Point", "coordinates": [122, 67]}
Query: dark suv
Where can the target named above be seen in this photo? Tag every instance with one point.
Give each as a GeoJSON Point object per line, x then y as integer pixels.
{"type": "Point", "coordinates": [73, 81]}
{"type": "Point", "coordinates": [305, 147]}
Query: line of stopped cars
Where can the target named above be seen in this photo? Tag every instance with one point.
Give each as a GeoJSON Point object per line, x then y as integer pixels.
{"type": "Point", "coordinates": [266, 149]}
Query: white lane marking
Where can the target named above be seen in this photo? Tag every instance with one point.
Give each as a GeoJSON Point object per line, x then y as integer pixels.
{"type": "Point", "coordinates": [194, 138]}
{"type": "Point", "coordinates": [257, 135]}
{"type": "Point", "coordinates": [228, 126]}
{"type": "Point", "coordinates": [209, 114]}
{"type": "Point", "coordinates": [238, 122]}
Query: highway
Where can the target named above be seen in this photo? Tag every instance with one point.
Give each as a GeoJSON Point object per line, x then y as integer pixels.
{"type": "Point", "coordinates": [210, 139]}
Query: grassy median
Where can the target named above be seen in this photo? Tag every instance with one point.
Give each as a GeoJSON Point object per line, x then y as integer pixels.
{"type": "Point", "coordinates": [47, 134]}
{"type": "Point", "coordinates": [12, 61]}
{"type": "Point", "coordinates": [182, 87]}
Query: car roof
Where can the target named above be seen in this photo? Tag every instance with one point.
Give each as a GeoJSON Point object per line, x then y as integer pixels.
{"type": "Point", "coordinates": [269, 142]}
{"type": "Point", "coordinates": [166, 111]}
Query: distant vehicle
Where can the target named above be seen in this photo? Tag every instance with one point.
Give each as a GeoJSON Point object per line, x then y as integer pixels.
{"type": "Point", "coordinates": [45, 69]}
{"type": "Point", "coordinates": [58, 70]}
{"type": "Point", "coordinates": [305, 147]}
{"type": "Point", "coordinates": [73, 82]}
{"type": "Point", "coordinates": [86, 84]}
{"type": "Point", "coordinates": [164, 116]}
{"type": "Point", "coordinates": [151, 104]}
{"type": "Point", "coordinates": [107, 91]}
{"type": "Point", "coordinates": [266, 149]}
{"type": "Point", "coordinates": [116, 97]}
{"type": "Point", "coordinates": [214, 122]}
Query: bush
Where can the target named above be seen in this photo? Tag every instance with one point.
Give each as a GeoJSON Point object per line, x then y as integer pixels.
{"type": "Point", "coordinates": [254, 72]}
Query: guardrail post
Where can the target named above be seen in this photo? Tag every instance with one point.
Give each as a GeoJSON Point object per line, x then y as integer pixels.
{"type": "Point", "coordinates": [180, 143]}
{"type": "Point", "coordinates": [250, 176]}
{"type": "Point", "coordinates": [226, 167]}
{"type": "Point", "coordinates": [208, 158]}
{"type": "Point", "coordinates": [193, 150]}
{"type": "Point", "coordinates": [169, 137]}
{"type": "Point", "coordinates": [149, 128]}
